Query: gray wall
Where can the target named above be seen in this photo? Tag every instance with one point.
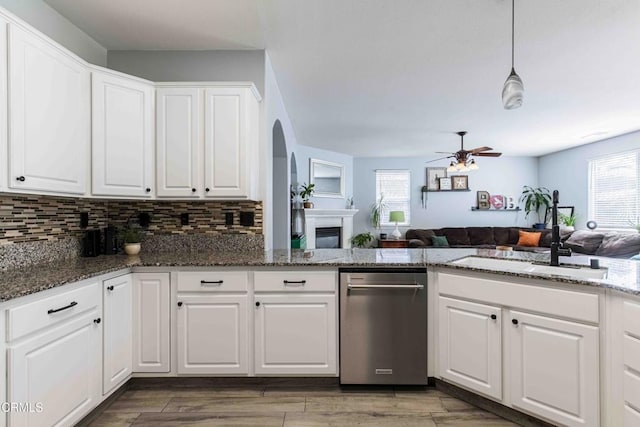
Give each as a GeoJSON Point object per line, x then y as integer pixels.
{"type": "Point", "coordinates": [44, 18]}
{"type": "Point", "coordinates": [304, 153]}
{"type": "Point", "coordinates": [504, 175]}
{"type": "Point", "coordinates": [568, 171]}
{"type": "Point", "coordinates": [199, 65]}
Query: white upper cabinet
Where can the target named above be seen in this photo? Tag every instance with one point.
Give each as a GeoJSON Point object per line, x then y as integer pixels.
{"type": "Point", "coordinates": [206, 139]}
{"type": "Point", "coordinates": [225, 144]}
{"type": "Point", "coordinates": [49, 104]}
{"type": "Point", "coordinates": [178, 137]}
{"type": "Point", "coordinates": [122, 136]}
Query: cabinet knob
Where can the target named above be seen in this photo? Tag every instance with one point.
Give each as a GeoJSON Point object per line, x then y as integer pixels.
{"type": "Point", "coordinates": [148, 190]}
{"type": "Point", "coordinates": [179, 303]}
{"type": "Point", "coordinates": [96, 321]}
{"type": "Point", "coordinates": [207, 189]}
{"type": "Point", "coordinates": [110, 288]}
{"type": "Point", "coordinates": [494, 317]}
{"type": "Point", "coordinates": [514, 321]}
{"type": "Point", "coordinates": [20, 178]}
{"type": "Point", "coordinates": [257, 303]}
{"type": "Point", "coordinates": [193, 190]}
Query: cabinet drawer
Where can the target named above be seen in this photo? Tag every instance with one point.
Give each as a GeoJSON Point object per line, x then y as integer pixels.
{"type": "Point", "coordinates": [213, 281]}
{"type": "Point", "coordinates": [28, 318]}
{"type": "Point", "coordinates": [556, 302]}
{"type": "Point", "coordinates": [631, 386]}
{"type": "Point", "coordinates": [631, 349]}
{"type": "Point", "coordinates": [631, 317]}
{"type": "Point", "coordinates": [294, 281]}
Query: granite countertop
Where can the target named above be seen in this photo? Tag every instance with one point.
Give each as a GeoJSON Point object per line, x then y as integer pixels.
{"type": "Point", "coordinates": [622, 275]}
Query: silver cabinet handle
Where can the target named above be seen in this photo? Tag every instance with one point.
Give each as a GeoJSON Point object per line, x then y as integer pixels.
{"type": "Point", "coordinates": [402, 286]}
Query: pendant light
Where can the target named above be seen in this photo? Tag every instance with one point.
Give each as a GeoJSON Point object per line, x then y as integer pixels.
{"type": "Point", "coordinates": [513, 90]}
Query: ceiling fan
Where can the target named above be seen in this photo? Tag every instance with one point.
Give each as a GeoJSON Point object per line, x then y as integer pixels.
{"type": "Point", "coordinates": [463, 158]}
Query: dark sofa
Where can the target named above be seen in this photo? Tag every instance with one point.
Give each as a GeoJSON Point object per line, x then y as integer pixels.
{"type": "Point", "coordinates": [478, 237]}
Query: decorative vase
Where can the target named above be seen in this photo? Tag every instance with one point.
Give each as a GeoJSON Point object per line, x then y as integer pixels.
{"type": "Point", "coordinates": [539, 226]}
{"type": "Point", "coordinates": [132, 248]}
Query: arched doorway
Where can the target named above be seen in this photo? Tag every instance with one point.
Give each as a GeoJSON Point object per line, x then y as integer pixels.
{"type": "Point", "coordinates": [280, 189]}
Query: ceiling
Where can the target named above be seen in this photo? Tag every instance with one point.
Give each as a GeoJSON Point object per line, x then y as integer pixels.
{"type": "Point", "coordinates": [381, 78]}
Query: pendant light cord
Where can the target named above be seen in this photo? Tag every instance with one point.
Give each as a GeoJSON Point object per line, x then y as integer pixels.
{"type": "Point", "coordinates": [513, 18]}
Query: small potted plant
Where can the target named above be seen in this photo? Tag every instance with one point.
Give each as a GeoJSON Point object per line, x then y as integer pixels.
{"type": "Point", "coordinates": [536, 200]}
{"type": "Point", "coordinates": [306, 193]}
{"type": "Point", "coordinates": [131, 237]}
{"type": "Point", "coordinates": [362, 240]}
{"type": "Point", "coordinates": [568, 221]}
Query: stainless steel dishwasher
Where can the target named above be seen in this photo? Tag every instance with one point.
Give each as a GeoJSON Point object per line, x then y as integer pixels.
{"type": "Point", "coordinates": [383, 326]}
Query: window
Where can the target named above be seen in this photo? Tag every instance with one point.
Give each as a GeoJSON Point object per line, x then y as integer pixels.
{"type": "Point", "coordinates": [614, 183]}
{"type": "Point", "coordinates": [395, 186]}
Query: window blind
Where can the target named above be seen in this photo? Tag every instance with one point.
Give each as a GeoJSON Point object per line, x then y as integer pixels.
{"type": "Point", "coordinates": [614, 184]}
{"type": "Point", "coordinates": [395, 188]}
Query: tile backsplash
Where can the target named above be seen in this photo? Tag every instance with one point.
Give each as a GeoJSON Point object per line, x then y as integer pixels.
{"type": "Point", "coordinates": [36, 229]}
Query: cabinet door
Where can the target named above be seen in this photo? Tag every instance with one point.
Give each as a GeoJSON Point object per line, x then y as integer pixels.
{"type": "Point", "coordinates": [61, 369]}
{"type": "Point", "coordinates": [151, 321]}
{"type": "Point", "coordinates": [178, 142]}
{"type": "Point", "coordinates": [49, 120]}
{"type": "Point", "coordinates": [554, 369]}
{"type": "Point", "coordinates": [295, 334]}
{"type": "Point", "coordinates": [225, 143]}
{"type": "Point", "coordinates": [212, 334]}
{"type": "Point", "coordinates": [117, 311]}
{"type": "Point", "coordinates": [470, 345]}
{"type": "Point", "coordinates": [122, 136]}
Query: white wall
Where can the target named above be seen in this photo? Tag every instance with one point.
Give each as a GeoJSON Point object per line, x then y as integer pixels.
{"type": "Point", "coordinates": [46, 19]}
{"type": "Point", "coordinates": [273, 109]}
{"type": "Point", "coordinates": [504, 175]}
{"type": "Point", "coordinates": [198, 65]}
{"type": "Point", "coordinates": [304, 153]}
{"type": "Point", "coordinates": [568, 171]}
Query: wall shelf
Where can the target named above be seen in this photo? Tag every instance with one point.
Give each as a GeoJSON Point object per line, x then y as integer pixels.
{"type": "Point", "coordinates": [446, 191]}
{"type": "Point", "coordinates": [473, 208]}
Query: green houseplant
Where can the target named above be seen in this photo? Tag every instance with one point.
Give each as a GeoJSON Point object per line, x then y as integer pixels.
{"type": "Point", "coordinates": [376, 212]}
{"type": "Point", "coordinates": [306, 193]}
{"type": "Point", "coordinates": [536, 200]}
{"type": "Point", "coordinates": [569, 221]}
{"type": "Point", "coordinates": [131, 237]}
{"type": "Point", "coordinates": [362, 240]}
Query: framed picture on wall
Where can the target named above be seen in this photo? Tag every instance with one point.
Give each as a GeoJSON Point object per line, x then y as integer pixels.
{"type": "Point", "coordinates": [433, 176]}
{"type": "Point", "coordinates": [460, 182]}
{"type": "Point", "coordinates": [562, 210]}
{"type": "Point", "coordinates": [445, 184]}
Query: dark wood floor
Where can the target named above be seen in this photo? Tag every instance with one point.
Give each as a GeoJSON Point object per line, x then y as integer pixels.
{"type": "Point", "coordinates": [286, 405]}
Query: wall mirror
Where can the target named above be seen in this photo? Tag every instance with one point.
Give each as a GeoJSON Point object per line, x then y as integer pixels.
{"type": "Point", "coordinates": [328, 178]}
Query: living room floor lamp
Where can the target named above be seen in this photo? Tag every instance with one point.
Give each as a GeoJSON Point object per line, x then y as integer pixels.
{"type": "Point", "coordinates": [396, 216]}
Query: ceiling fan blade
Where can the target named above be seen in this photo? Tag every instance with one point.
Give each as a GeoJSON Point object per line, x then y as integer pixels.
{"type": "Point", "coordinates": [445, 152]}
{"type": "Point", "coordinates": [488, 154]}
{"type": "Point", "coordinates": [441, 158]}
{"type": "Point", "coordinates": [480, 149]}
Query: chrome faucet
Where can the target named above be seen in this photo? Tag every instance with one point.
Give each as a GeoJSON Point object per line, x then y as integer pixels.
{"type": "Point", "coordinates": [556, 247]}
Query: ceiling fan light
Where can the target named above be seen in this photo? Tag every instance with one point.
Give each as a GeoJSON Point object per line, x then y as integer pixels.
{"type": "Point", "coordinates": [473, 165]}
{"type": "Point", "coordinates": [452, 167]}
{"type": "Point", "coordinates": [513, 91]}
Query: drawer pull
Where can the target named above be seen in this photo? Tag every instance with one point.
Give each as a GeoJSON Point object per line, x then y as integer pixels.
{"type": "Point", "coordinates": [110, 288]}
{"type": "Point", "coordinates": [211, 282]}
{"type": "Point", "coordinates": [66, 307]}
{"type": "Point", "coordinates": [97, 321]}
{"type": "Point", "coordinates": [294, 282]}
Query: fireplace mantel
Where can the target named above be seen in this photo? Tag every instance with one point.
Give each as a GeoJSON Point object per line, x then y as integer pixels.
{"type": "Point", "coordinates": [314, 218]}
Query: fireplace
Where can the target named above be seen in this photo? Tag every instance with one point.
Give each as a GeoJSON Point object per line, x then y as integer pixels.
{"type": "Point", "coordinates": [328, 237]}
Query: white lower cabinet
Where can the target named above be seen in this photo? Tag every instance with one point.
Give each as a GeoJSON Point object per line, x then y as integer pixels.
{"type": "Point", "coordinates": [58, 371]}
{"type": "Point", "coordinates": [492, 332]}
{"type": "Point", "coordinates": [213, 334]}
{"type": "Point", "coordinates": [295, 334]}
{"type": "Point", "coordinates": [151, 322]}
{"type": "Point", "coordinates": [118, 310]}
{"type": "Point", "coordinates": [554, 368]}
{"type": "Point", "coordinates": [470, 345]}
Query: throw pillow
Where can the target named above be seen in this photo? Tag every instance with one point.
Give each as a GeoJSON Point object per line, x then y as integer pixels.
{"type": "Point", "coordinates": [526, 238]}
{"type": "Point", "coordinates": [584, 241]}
{"type": "Point", "coordinates": [440, 241]}
{"type": "Point", "coordinates": [620, 245]}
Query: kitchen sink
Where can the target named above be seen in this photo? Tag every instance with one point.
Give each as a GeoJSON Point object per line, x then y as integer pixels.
{"type": "Point", "coordinates": [575, 272]}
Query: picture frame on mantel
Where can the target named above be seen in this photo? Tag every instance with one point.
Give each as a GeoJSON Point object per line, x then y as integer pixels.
{"type": "Point", "coordinates": [433, 178]}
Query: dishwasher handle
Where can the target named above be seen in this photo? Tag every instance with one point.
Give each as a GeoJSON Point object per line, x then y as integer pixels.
{"type": "Point", "coordinates": [399, 286]}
